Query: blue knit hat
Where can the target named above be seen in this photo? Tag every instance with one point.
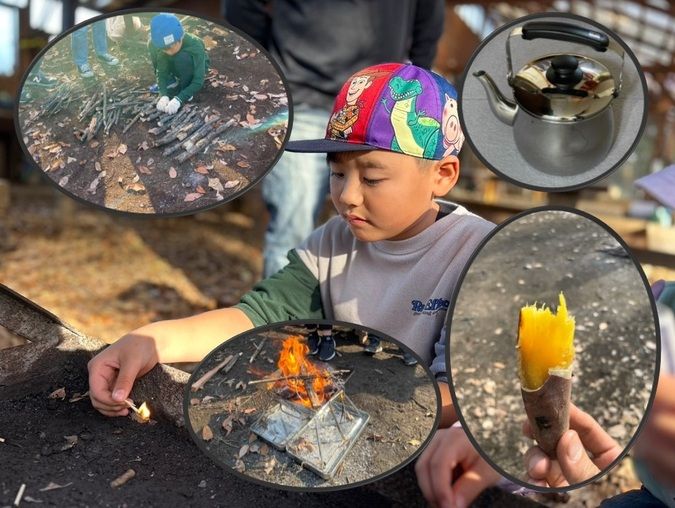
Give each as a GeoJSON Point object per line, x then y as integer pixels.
{"type": "Point", "coordinates": [165, 30]}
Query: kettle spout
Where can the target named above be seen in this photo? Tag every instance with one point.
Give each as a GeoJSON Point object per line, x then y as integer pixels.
{"type": "Point", "coordinates": [503, 108]}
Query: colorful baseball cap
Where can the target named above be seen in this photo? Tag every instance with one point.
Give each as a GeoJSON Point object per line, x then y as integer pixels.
{"type": "Point", "coordinates": [165, 30]}
{"type": "Point", "coordinates": [396, 107]}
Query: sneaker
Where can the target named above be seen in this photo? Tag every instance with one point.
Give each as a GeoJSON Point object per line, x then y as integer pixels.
{"type": "Point", "coordinates": [327, 349]}
{"type": "Point", "coordinates": [85, 71]}
{"type": "Point", "coordinates": [108, 59]}
{"type": "Point", "coordinates": [313, 341]}
{"type": "Point", "coordinates": [154, 88]}
{"type": "Point", "coordinates": [408, 359]}
{"type": "Point", "coordinates": [373, 346]}
{"type": "Point", "coordinates": [41, 79]}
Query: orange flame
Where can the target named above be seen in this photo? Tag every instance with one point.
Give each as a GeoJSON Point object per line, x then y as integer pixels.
{"type": "Point", "coordinates": [293, 362]}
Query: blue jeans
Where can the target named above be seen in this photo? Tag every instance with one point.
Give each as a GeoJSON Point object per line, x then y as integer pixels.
{"type": "Point", "coordinates": [79, 43]}
{"type": "Point", "coordinates": [295, 190]}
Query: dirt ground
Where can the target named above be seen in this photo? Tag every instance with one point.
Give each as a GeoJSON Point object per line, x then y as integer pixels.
{"type": "Point", "coordinates": [400, 401]}
{"type": "Point", "coordinates": [532, 260]}
{"type": "Point", "coordinates": [124, 171]}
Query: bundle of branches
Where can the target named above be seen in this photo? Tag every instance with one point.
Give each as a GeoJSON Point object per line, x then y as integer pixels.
{"type": "Point", "coordinates": [189, 132]}
{"type": "Point", "coordinates": [106, 107]}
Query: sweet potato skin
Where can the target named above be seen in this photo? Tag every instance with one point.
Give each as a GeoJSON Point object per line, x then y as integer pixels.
{"type": "Point", "coordinates": [548, 410]}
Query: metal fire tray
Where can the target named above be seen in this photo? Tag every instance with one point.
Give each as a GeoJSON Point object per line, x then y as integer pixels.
{"type": "Point", "coordinates": [280, 423]}
{"type": "Point", "coordinates": [322, 443]}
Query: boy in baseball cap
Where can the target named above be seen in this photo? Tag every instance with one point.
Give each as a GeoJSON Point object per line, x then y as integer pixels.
{"type": "Point", "coordinates": [179, 60]}
{"type": "Point", "coordinates": [389, 260]}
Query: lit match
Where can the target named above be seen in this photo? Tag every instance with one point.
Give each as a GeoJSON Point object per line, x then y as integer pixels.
{"type": "Point", "coordinates": [142, 412]}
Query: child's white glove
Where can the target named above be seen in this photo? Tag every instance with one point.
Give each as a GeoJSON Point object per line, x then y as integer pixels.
{"type": "Point", "coordinates": [162, 103]}
{"type": "Point", "coordinates": [173, 106]}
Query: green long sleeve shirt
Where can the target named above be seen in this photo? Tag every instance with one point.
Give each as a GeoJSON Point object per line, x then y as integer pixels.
{"type": "Point", "coordinates": [168, 65]}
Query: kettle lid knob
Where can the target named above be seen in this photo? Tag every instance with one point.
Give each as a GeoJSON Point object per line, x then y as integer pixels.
{"type": "Point", "coordinates": [564, 71]}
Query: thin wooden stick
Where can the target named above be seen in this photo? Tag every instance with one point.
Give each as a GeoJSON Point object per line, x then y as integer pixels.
{"type": "Point", "coordinates": [199, 384]}
{"type": "Point", "coordinates": [302, 377]}
{"type": "Point", "coordinates": [257, 350]}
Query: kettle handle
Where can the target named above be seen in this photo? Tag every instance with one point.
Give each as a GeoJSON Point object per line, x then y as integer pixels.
{"type": "Point", "coordinates": [565, 32]}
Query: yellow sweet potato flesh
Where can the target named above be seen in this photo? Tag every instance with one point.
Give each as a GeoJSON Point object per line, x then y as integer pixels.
{"type": "Point", "coordinates": [545, 342]}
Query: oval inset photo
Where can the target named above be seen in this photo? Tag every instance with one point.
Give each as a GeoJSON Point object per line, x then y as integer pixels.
{"type": "Point", "coordinates": [553, 349]}
{"type": "Point", "coordinates": [312, 405]}
{"type": "Point", "coordinates": [153, 113]}
{"type": "Point", "coordinates": [553, 101]}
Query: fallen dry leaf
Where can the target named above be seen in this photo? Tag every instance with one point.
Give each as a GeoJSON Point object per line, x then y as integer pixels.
{"type": "Point", "coordinates": [145, 170]}
{"type": "Point", "coordinates": [254, 448]}
{"type": "Point", "coordinates": [202, 170]}
{"type": "Point", "coordinates": [122, 148]}
{"type": "Point", "coordinates": [79, 396]}
{"type": "Point", "coordinates": [415, 442]}
{"type": "Point", "coordinates": [231, 183]}
{"type": "Point", "coordinates": [243, 164]}
{"type": "Point", "coordinates": [136, 178]}
{"type": "Point", "coordinates": [249, 410]}
{"type": "Point", "coordinates": [143, 146]}
{"type": "Point", "coordinates": [207, 433]}
{"type": "Point", "coordinates": [209, 42]}
{"type": "Point", "coordinates": [97, 166]}
{"type": "Point", "coordinates": [64, 181]}
{"type": "Point", "coordinates": [200, 189]}
{"type": "Point", "coordinates": [192, 196]}
{"type": "Point", "coordinates": [136, 187]}
{"type": "Point", "coordinates": [269, 464]}
{"type": "Point", "coordinates": [111, 154]}
{"type": "Point", "coordinates": [243, 451]}
{"type": "Point", "coordinates": [251, 119]}
{"type": "Point", "coordinates": [172, 172]}
{"type": "Point", "coordinates": [239, 466]}
{"type": "Point", "coordinates": [59, 393]}
{"type": "Point", "coordinates": [227, 147]}
{"type": "Point", "coordinates": [194, 402]}
{"type": "Point", "coordinates": [94, 144]}
{"type": "Point", "coordinates": [260, 96]}
{"type": "Point", "coordinates": [94, 184]}
{"type": "Point", "coordinates": [151, 161]}
{"type": "Point", "coordinates": [227, 425]}
{"type": "Point", "coordinates": [71, 159]}
{"type": "Point", "coordinates": [252, 437]}
{"type": "Point", "coordinates": [215, 184]}
{"type": "Point", "coordinates": [264, 449]}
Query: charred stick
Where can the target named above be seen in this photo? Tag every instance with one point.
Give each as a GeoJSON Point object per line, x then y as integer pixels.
{"type": "Point", "coordinates": [152, 116]}
{"type": "Point", "coordinates": [199, 145]}
{"type": "Point", "coordinates": [133, 121]}
{"type": "Point", "coordinates": [190, 141]}
{"type": "Point", "coordinates": [303, 377]}
{"type": "Point", "coordinates": [189, 129]}
{"type": "Point", "coordinates": [105, 100]}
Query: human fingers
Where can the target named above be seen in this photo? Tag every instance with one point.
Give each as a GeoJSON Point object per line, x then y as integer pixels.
{"type": "Point", "coordinates": [475, 477]}
{"type": "Point", "coordinates": [601, 445]}
{"type": "Point", "coordinates": [537, 463]}
{"type": "Point", "coordinates": [447, 453]}
{"type": "Point", "coordinates": [574, 462]}
{"type": "Point", "coordinates": [422, 471]}
{"type": "Point", "coordinates": [102, 374]}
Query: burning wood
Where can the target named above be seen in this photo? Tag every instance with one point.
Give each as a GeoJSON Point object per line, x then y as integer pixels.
{"type": "Point", "coordinates": [294, 364]}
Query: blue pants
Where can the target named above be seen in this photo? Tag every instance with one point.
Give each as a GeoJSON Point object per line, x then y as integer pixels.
{"type": "Point", "coordinates": [295, 190]}
{"type": "Point", "coordinates": [79, 42]}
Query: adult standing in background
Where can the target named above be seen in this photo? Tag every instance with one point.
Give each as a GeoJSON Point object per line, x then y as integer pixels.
{"type": "Point", "coordinates": [319, 44]}
{"type": "Point", "coordinates": [80, 48]}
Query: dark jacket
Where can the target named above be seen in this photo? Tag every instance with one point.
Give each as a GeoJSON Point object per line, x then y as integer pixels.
{"type": "Point", "coordinates": [320, 43]}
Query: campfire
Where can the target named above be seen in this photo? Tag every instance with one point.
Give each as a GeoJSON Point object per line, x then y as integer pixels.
{"type": "Point", "coordinates": [314, 421]}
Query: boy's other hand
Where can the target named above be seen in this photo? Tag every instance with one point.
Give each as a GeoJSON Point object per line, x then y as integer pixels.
{"type": "Point", "coordinates": [113, 371]}
{"type": "Point", "coordinates": [450, 472]}
{"type": "Point", "coordinates": [573, 464]}
{"type": "Point", "coordinates": [162, 103]}
{"type": "Point", "coordinates": [656, 444]}
{"type": "Point", "coordinates": [173, 106]}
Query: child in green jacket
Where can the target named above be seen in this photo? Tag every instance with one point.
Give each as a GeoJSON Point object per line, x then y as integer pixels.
{"type": "Point", "coordinates": [179, 60]}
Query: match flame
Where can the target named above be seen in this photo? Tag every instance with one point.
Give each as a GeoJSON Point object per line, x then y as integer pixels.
{"type": "Point", "coordinates": [293, 362]}
{"type": "Point", "coordinates": [144, 412]}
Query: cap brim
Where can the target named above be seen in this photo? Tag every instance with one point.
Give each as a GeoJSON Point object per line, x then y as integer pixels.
{"type": "Point", "coordinates": [325, 146]}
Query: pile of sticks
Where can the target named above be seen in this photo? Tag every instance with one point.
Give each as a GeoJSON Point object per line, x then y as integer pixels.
{"type": "Point", "coordinates": [105, 108]}
{"type": "Point", "coordinates": [189, 132]}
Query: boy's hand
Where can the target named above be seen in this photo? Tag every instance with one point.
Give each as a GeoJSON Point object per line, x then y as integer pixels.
{"type": "Point", "coordinates": [113, 371]}
{"type": "Point", "coordinates": [656, 444]}
{"type": "Point", "coordinates": [162, 103]}
{"type": "Point", "coordinates": [450, 472]}
{"type": "Point", "coordinates": [573, 464]}
{"type": "Point", "coordinates": [173, 106]}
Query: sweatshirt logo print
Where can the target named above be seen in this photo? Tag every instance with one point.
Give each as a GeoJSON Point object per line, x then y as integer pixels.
{"type": "Point", "coordinates": [431, 307]}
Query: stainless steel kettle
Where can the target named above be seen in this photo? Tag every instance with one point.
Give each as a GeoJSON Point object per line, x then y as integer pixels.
{"type": "Point", "coordinates": [562, 117]}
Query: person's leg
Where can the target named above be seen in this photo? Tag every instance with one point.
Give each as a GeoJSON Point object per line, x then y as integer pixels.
{"type": "Point", "coordinates": [313, 339]}
{"type": "Point", "coordinates": [295, 191]}
{"type": "Point", "coordinates": [100, 38]}
{"type": "Point", "coordinates": [327, 344]}
{"type": "Point", "coordinates": [79, 46]}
